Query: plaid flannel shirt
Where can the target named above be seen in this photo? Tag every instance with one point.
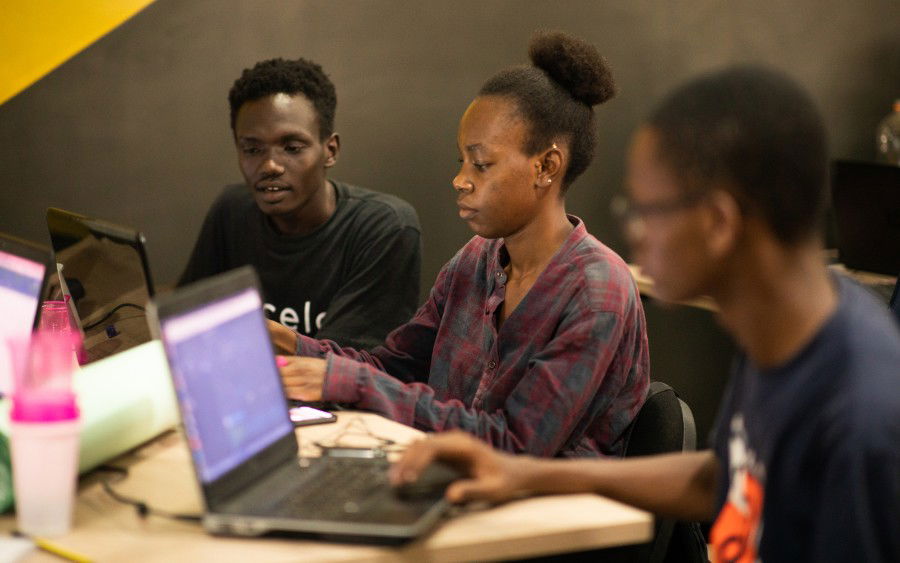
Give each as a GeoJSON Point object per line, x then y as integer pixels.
{"type": "Point", "coordinates": [563, 376]}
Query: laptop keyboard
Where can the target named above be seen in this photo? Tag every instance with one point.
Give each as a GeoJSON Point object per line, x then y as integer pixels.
{"type": "Point", "coordinates": [342, 488]}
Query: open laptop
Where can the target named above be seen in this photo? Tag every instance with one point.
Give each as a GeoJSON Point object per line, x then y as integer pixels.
{"type": "Point", "coordinates": [242, 441]}
{"type": "Point", "coordinates": [104, 272]}
{"type": "Point", "coordinates": [866, 199]}
{"type": "Point", "coordinates": [24, 271]}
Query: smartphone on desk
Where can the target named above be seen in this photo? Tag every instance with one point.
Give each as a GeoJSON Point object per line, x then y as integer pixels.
{"type": "Point", "coordinates": [304, 415]}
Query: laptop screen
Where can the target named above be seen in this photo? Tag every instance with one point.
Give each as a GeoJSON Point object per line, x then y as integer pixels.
{"type": "Point", "coordinates": [21, 281]}
{"type": "Point", "coordinates": [232, 402]}
{"type": "Point", "coordinates": [104, 265]}
{"type": "Point", "coordinates": [105, 271]}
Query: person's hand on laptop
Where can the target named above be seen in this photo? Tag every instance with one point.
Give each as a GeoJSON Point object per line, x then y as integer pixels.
{"type": "Point", "coordinates": [283, 339]}
{"type": "Point", "coordinates": [494, 476]}
{"type": "Point", "coordinates": [302, 377]}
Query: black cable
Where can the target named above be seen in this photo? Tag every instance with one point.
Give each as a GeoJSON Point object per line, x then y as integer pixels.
{"type": "Point", "coordinates": [142, 508]}
{"type": "Point", "coordinates": [108, 315]}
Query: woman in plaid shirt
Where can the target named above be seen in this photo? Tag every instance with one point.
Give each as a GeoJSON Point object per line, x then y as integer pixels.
{"type": "Point", "coordinates": [533, 337]}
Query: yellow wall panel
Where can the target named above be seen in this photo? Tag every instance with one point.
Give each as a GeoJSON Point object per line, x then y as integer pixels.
{"type": "Point", "coordinates": [36, 36]}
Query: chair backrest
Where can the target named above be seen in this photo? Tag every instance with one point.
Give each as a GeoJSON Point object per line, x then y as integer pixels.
{"type": "Point", "coordinates": [665, 424]}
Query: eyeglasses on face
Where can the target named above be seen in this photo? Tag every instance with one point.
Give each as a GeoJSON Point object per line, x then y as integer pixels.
{"type": "Point", "coordinates": [633, 216]}
{"type": "Point", "coordinates": [627, 211]}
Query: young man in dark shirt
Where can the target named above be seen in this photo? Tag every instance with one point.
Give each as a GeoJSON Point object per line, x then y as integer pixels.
{"type": "Point", "coordinates": [335, 261]}
{"type": "Point", "coordinates": [727, 189]}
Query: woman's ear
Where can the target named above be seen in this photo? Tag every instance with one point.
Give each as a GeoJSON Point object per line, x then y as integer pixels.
{"type": "Point", "coordinates": [550, 167]}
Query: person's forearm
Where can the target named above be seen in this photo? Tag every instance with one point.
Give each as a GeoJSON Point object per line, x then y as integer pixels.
{"type": "Point", "coordinates": [284, 340]}
{"type": "Point", "coordinates": [676, 485]}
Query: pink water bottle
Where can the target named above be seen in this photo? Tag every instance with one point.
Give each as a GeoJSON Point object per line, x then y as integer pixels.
{"type": "Point", "coordinates": [44, 424]}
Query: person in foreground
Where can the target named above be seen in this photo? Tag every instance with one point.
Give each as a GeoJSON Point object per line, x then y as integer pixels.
{"type": "Point", "coordinates": [533, 336]}
{"type": "Point", "coordinates": [727, 189]}
{"type": "Point", "coordinates": [335, 260]}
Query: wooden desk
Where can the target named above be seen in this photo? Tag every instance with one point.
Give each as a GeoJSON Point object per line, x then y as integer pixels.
{"type": "Point", "coordinates": [645, 284]}
{"type": "Point", "coordinates": [645, 287]}
{"type": "Point", "coordinates": [160, 474]}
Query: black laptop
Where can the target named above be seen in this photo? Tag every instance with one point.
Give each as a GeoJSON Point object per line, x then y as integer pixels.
{"type": "Point", "coordinates": [104, 269]}
{"type": "Point", "coordinates": [24, 271]}
{"type": "Point", "coordinates": [866, 199]}
{"type": "Point", "coordinates": [241, 438]}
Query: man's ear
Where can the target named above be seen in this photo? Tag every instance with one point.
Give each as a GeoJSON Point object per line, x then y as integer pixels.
{"type": "Point", "coordinates": [550, 166]}
{"type": "Point", "coordinates": [724, 222]}
{"type": "Point", "coordinates": [332, 149]}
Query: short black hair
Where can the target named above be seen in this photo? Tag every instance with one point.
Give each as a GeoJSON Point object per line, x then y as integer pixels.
{"type": "Point", "coordinates": [760, 134]}
{"type": "Point", "coordinates": [280, 76]}
{"type": "Point", "coordinates": [555, 95]}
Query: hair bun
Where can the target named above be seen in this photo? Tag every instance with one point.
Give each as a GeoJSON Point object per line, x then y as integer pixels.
{"type": "Point", "coordinates": [574, 64]}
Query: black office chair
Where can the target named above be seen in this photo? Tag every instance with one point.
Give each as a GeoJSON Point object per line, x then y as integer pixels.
{"type": "Point", "coordinates": [666, 424]}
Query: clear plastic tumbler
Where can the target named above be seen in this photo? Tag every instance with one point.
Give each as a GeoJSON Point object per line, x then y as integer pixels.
{"type": "Point", "coordinates": [56, 317]}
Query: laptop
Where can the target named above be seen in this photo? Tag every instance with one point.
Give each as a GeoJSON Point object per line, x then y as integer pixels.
{"type": "Point", "coordinates": [24, 272]}
{"type": "Point", "coordinates": [866, 200]}
{"type": "Point", "coordinates": [105, 274]}
{"type": "Point", "coordinates": [242, 441]}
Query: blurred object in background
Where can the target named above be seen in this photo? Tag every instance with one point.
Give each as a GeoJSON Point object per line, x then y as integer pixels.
{"type": "Point", "coordinates": [887, 137]}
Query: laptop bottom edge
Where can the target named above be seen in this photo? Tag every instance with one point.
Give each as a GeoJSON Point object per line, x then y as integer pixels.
{"type": "Point", "coordinates": [337, 531]}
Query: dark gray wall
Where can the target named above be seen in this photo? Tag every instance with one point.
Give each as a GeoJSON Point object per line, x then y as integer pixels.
{"type": "Point", "coordinates": [690, 352]}
{"type": "Point", "coordinates": [135, 128]}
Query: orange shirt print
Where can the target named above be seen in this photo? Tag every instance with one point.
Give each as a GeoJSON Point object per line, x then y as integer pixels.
{"type": "Point", "coordinates": [738, 527]}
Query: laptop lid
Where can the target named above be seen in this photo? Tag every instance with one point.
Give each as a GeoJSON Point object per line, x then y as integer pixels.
{"type": "Point", "coordinates": [104, 268]}
{"type": "Point", "coordinates": [228, 387]}
{"type": "Point", "coordinates": [236, 422]}
{"type": "Point", "coordinates": [24, 271]}
{"type": "Point", "coordinates": [866, 199]}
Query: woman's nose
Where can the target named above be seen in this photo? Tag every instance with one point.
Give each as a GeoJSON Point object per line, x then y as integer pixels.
{"type": "Point", "coordinates": [461, 184]}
